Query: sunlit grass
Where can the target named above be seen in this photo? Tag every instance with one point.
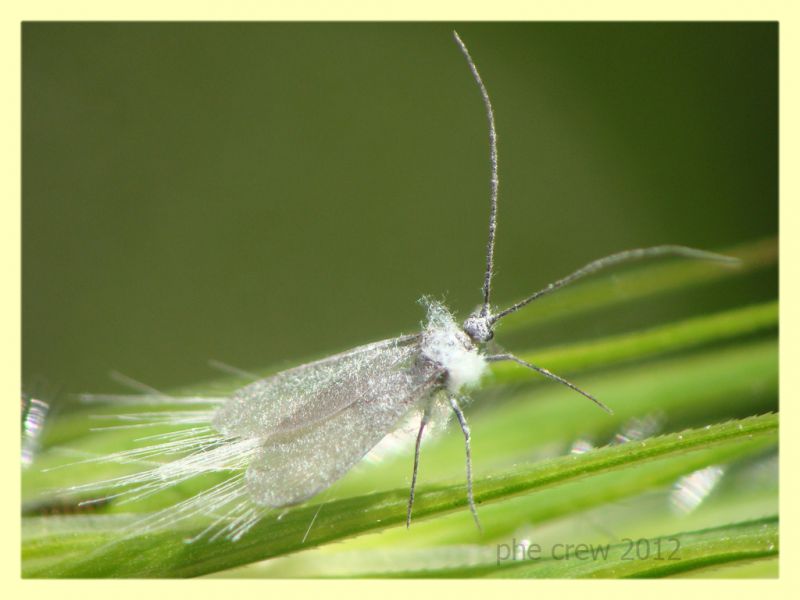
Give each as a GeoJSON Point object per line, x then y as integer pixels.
{"type": "Point", "coordinates": [550, 468]}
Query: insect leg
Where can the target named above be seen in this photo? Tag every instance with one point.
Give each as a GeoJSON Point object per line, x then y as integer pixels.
{"type": "Point", "coordinates": [462, 420]}
{"type": "Point", "coordinates": [548, 374]}
{"type": "Point", "coordinates": [424, 421]}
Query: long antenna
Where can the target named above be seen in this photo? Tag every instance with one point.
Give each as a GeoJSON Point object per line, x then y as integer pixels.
{"type": "Point", "coordinates": [615, 259]}
{"type": "Point", "coordinates": [493, 181]}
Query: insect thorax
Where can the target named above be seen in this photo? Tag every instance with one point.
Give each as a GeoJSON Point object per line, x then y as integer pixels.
{"type": "Point", "coordinates": [445, 344]}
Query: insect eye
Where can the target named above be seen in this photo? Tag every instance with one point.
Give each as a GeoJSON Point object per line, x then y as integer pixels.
{"type": "Point", "coordinates": [478, 328]}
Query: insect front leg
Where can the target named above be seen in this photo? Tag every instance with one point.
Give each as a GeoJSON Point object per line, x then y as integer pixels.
{"type": "Point", "coordinates": [549, 375]}
{"type": "Point", "coordinates": [462, 420]}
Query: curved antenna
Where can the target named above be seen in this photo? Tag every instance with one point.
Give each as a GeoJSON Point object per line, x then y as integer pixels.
{"type": "Point", "coordinates": [615, 259]}
{"type": "Point", "coordinates": [493, 182]}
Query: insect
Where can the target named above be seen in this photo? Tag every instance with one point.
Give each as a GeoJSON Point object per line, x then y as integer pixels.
{"type": "Point", "coordinates": [288, 437]}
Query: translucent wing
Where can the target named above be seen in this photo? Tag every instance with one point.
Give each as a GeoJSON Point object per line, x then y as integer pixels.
{"type": "Point", "coordinates": [294, 467]}
{"type": "Point", "coordinates": [311, 393]}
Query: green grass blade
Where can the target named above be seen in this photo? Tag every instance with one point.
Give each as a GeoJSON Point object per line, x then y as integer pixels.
{"type": "Point", "coordinates": [706, 552]}
{"type": "Point", "coordinates": [165, 554]}
{"type": "Point", "coordinates": [699, 371]}
{"type": "Point", "coordinates": [666, 555]}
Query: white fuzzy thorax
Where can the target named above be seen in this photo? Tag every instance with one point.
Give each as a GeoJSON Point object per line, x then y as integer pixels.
{"type": "Point", "coordinates": [444, 343]}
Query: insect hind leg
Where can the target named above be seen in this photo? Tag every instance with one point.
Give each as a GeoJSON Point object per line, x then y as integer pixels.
{"type": "Point", "coordinates": [423, 422]}
{"type": "Point", "coordinates": [462, 420]}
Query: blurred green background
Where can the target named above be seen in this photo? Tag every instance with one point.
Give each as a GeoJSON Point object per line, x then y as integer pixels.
{"type": "Point", "coordinates": [265, 192]}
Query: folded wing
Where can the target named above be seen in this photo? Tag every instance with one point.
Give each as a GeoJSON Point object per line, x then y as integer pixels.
{"type": "Point", "coordinates": [291, 469]}
{"type": "Point", "coordinates": [318, 420]}
{"type": "Point", "coordinates": [299, 397]}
